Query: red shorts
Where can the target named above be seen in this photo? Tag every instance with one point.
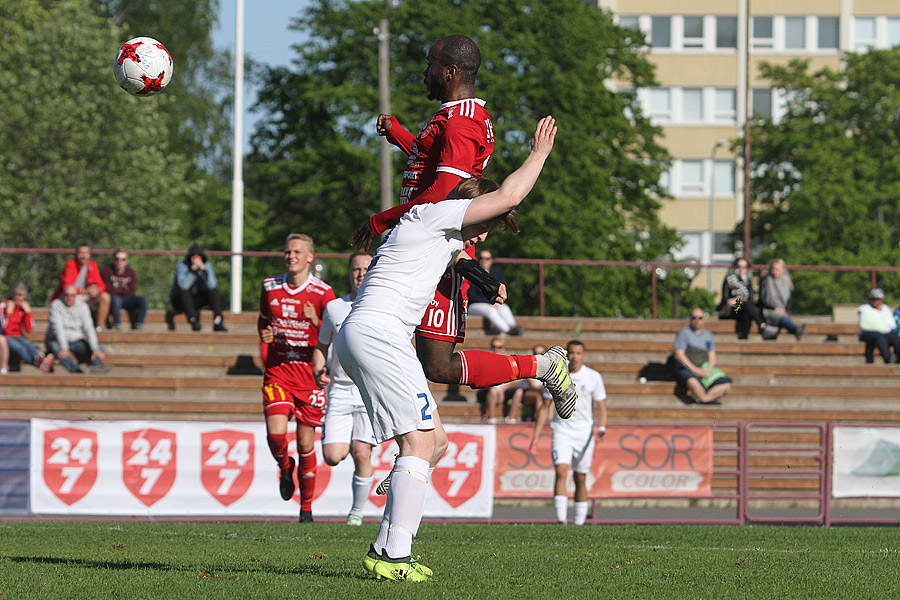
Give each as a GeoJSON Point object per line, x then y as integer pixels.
{"type": "Point", "coordinates": [445, 317]}
{"type": "Point", "coordinates": [307, 406]}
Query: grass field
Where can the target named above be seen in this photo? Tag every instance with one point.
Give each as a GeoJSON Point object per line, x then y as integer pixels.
{"type": "Point", "coordinates": [58, 559]}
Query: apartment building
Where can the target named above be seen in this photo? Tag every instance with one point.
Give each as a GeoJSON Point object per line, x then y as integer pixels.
{"type": "Point", "coordinates": [707, 54]}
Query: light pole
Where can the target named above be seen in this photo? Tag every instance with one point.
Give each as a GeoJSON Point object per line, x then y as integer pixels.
{"type": "Point", "coordinates": [712, 212]}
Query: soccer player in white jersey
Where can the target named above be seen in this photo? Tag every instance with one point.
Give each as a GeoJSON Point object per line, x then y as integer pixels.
{"type": "Point", "coordinates": [374, 347]}
{"type": "Point", "coordinates": [573, 439]}
{"type": "Point", "coordinates": [346, 423]}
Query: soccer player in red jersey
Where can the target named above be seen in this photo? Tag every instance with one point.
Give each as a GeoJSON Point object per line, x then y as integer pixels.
{"type": "Point", "coordinates": [457, 143]}
{"type": "Point", "coordinates": [290, 313]}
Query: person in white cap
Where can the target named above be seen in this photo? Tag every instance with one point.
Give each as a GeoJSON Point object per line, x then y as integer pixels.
{"type": "Point", "coordinates": [876, 328]}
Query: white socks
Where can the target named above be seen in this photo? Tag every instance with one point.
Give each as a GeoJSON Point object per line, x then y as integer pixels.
{"type": "Point", "coordinates": [581, 511]}
{"type": "Point", "coordinates": [561, 504]}
{"type": "Point", "coordinates": [404, 507]}
{"type": "Point", "coordinates": [361, 487]}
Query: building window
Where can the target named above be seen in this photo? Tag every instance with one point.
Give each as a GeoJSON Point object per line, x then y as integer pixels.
{"type": "Point", "coordinates": [725, 104]}
{"type": "Point", "coordinates": [692, 104]}
{"type": "Point", "coordinates": [693, 244]}
{"type": "Point", "coordinates": [724, 172]}
{"type": "Point", "coordinates": [692, 177]}
{"type": "Point", "coordinates": [659, 104]}
{"type": "Point", "coordinates": [893, 32]}
{"type": "Point", "coordinates": [726, 32]}
{"type": "Point", "coordinates": [763, 32]}
{"type": "Point", "coordinates": [795, 32]}
{"type": "Point", "coordinates": [722, 243]}
{"type": "Point", "coordinates": [864, 33]}
{"type": "Point", "coordinates": [628, 22]}
{"type": "Point", "coordinates": [693, 32]}
{"type": "Point", "coordinates": [829, 33]}
{"type": "Point", "coordinates": [761, 103]}
{"type": "Point", "coordinates": [661, 32]}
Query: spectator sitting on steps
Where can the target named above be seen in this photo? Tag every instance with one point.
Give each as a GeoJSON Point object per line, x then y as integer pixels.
{"type": "Point", "coordinates": [71, 336]}
{"type": "Point", "coordinates": [194, 287]}
{"type": "Point", "coordinates": [693, 363]}
{"type": "Point", "coordinates": [876, 324]}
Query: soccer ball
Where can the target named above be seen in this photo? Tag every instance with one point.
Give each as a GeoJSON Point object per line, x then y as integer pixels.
{"type": "Point", "coordinates": [143, 66]}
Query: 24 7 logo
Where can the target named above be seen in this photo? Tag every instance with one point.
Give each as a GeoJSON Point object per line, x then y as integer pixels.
{"type": "Point", "coordinates": [70, 463]}
{"type": "Point", "coordinates": [457, 478]}
{"type": "Point", "coordinates": [148, 463]}
{"type": "Point", "coordinates": [226, 464]}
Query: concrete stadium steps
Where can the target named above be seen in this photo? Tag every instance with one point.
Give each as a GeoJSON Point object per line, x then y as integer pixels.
{"type": "Point", "coordinates": [182, 374]}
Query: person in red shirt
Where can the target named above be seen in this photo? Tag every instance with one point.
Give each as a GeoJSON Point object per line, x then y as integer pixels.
{"type": "Point", "coordinates": [456, 144]}
{"type": "Point", "coordinates": [15, 321]}
{"type": "Point", "coordinates": [84, 274]}
{"type": "Point", "coordinates": [290, 313]}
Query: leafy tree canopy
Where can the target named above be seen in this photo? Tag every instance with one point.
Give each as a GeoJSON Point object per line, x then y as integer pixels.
{"type": "Point", "coordinates": [826, 183]}
{"type": "Point", "coordinates": [315, 161]}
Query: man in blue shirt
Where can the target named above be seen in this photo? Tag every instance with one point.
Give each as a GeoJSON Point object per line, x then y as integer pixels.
{"type": "Point", "coordinates": [694, 362]}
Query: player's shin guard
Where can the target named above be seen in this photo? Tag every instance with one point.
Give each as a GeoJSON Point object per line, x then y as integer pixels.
{"type": "Point", "coordinates": [481, 369]}
{"type": "Point", "coordinates": [581, 511]}
{"type": "Point", "coordinates": [361, 488]}
{"type": "Point", "coordinates": [278, 446]}
{"type": "Point", "coordinates": [307, 479]}
{"type": "Point", "coordinates": [561, 505]}
{"type": "Point", "coordinates": [409, 486]}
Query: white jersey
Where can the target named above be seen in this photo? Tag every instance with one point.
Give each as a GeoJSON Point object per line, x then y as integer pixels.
{"type": "Point", "coordinates": [402, 277]}
{"type": "Point", "coordinates": [342, 390]}
{"type": "Point", "coordinates": [590, 388]}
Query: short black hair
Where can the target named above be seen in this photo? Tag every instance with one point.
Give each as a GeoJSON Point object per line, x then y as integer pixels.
{"type": "Point", "coordinates": [461, 51]}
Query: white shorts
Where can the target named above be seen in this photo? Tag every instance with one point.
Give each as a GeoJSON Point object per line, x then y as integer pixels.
{"type": "Point", "coordinates": [575, 448]}
{"type": "Point", "coordinates": [345, 423]}
{"type": "Point", "coordinates": [384, 366]}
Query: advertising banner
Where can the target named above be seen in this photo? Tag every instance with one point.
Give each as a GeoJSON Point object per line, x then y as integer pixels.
{"type": "Point", "coordinates": [671, 461]}
{"type": "Point", "coordinates": [213, 468]}
{"type": "Point", "coordinates": [866, 462]}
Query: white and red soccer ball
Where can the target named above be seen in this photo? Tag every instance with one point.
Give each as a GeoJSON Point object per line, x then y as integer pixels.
{"type": "Point", "coordinates": [143, 66]}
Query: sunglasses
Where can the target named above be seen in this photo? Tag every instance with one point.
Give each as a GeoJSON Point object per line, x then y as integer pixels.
{"type": "Point", "coordinates": [693, 318]}
{"type": "Point", "coordinates": [118, 259]}
{"type": "Point", "coordinates": [496, 347]}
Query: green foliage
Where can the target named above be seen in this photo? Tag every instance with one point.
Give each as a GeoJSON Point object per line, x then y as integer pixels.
{"type": "Point", "coordinates": [57, 559]}
{"type": "Point", "coordinates": [315, 156]}
{"type": "Point", "coordinates": [83, 160]}
{"type": "Point", "coordinates": [827, 176]}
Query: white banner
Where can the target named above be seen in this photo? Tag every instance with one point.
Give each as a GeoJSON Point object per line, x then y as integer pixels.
{"type": "Point", "coordinates": [176, 468]}
{"type": "Point", "coordinates": [866, 462]}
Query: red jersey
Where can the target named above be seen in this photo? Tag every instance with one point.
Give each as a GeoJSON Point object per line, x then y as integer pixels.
{"type": "Point", "coordinates": [459, 140]}
{"type": "Point", "coordinates": [289, 358]}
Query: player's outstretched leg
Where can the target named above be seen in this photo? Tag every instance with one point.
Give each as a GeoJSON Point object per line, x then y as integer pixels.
{"type": "Point", "coordinates": [553, 372]}
{"type": "Point", "coordinates": [286, 480]}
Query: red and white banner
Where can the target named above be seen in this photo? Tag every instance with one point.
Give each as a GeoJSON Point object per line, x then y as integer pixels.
{"type": "Point", "coordinates": [628, 462]}
{"type": "Point", "coordinates": [866, 462]}
{"type": "Point", "coordinates": [214, 468]}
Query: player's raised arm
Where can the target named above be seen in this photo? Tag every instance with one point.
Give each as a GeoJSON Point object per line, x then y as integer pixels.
{"type": "Point", "coordinates": [515, 187]}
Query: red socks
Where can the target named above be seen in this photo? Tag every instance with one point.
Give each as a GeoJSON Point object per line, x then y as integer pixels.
{"type": "Point", "coordinates": [278, 446]}
{"type": "Point", "coordinates": [306, 477]}
{"type": "Point", "coordinates": [481, 369]}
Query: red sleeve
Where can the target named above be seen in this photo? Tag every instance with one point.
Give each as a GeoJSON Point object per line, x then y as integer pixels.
{"type": "Point", "coordinates": [93, 276]}
{"type": "Point", "coordinates": [70, 273]}
{"type": "Point", "coordinates": [28, 322]}
{"type": "Point", "coordinates": [400, 136]}
{"type": "Point", "coordinates": [437, 191]}
{"type": "Point", "coordinates": [265, 317]}
{"type": "Point", "coordinates": [462, 139]}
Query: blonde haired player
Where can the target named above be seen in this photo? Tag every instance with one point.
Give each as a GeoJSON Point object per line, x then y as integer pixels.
{"type": "Point", "coordinates": [290, 313]}
{"type": "Point", "coordinates": [374, 346]}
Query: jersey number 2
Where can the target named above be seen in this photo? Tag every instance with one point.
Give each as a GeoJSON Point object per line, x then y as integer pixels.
{"type": "Point", "coordinates": [425, 415]}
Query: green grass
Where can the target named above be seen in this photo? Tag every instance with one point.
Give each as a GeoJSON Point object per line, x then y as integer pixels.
{"type": "Point", "coordinates": [243, 560]}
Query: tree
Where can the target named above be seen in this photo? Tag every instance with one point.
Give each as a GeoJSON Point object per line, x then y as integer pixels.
{"type": "Point", "coordinates": [83, 160]}
{"type": "Point", "coordinates": [826, 177]}
{"type": "Point", "coordinates": [314, 160]}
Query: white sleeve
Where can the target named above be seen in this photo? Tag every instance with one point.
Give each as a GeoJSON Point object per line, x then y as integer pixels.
{"type": "Point", "coordinates": [326, 330]}
{"type": "Point", "coordinates": [599, 389]}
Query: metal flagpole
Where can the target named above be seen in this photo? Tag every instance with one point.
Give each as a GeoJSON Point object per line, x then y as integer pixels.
{"type": "Point", "coordinates": [237, 182]}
